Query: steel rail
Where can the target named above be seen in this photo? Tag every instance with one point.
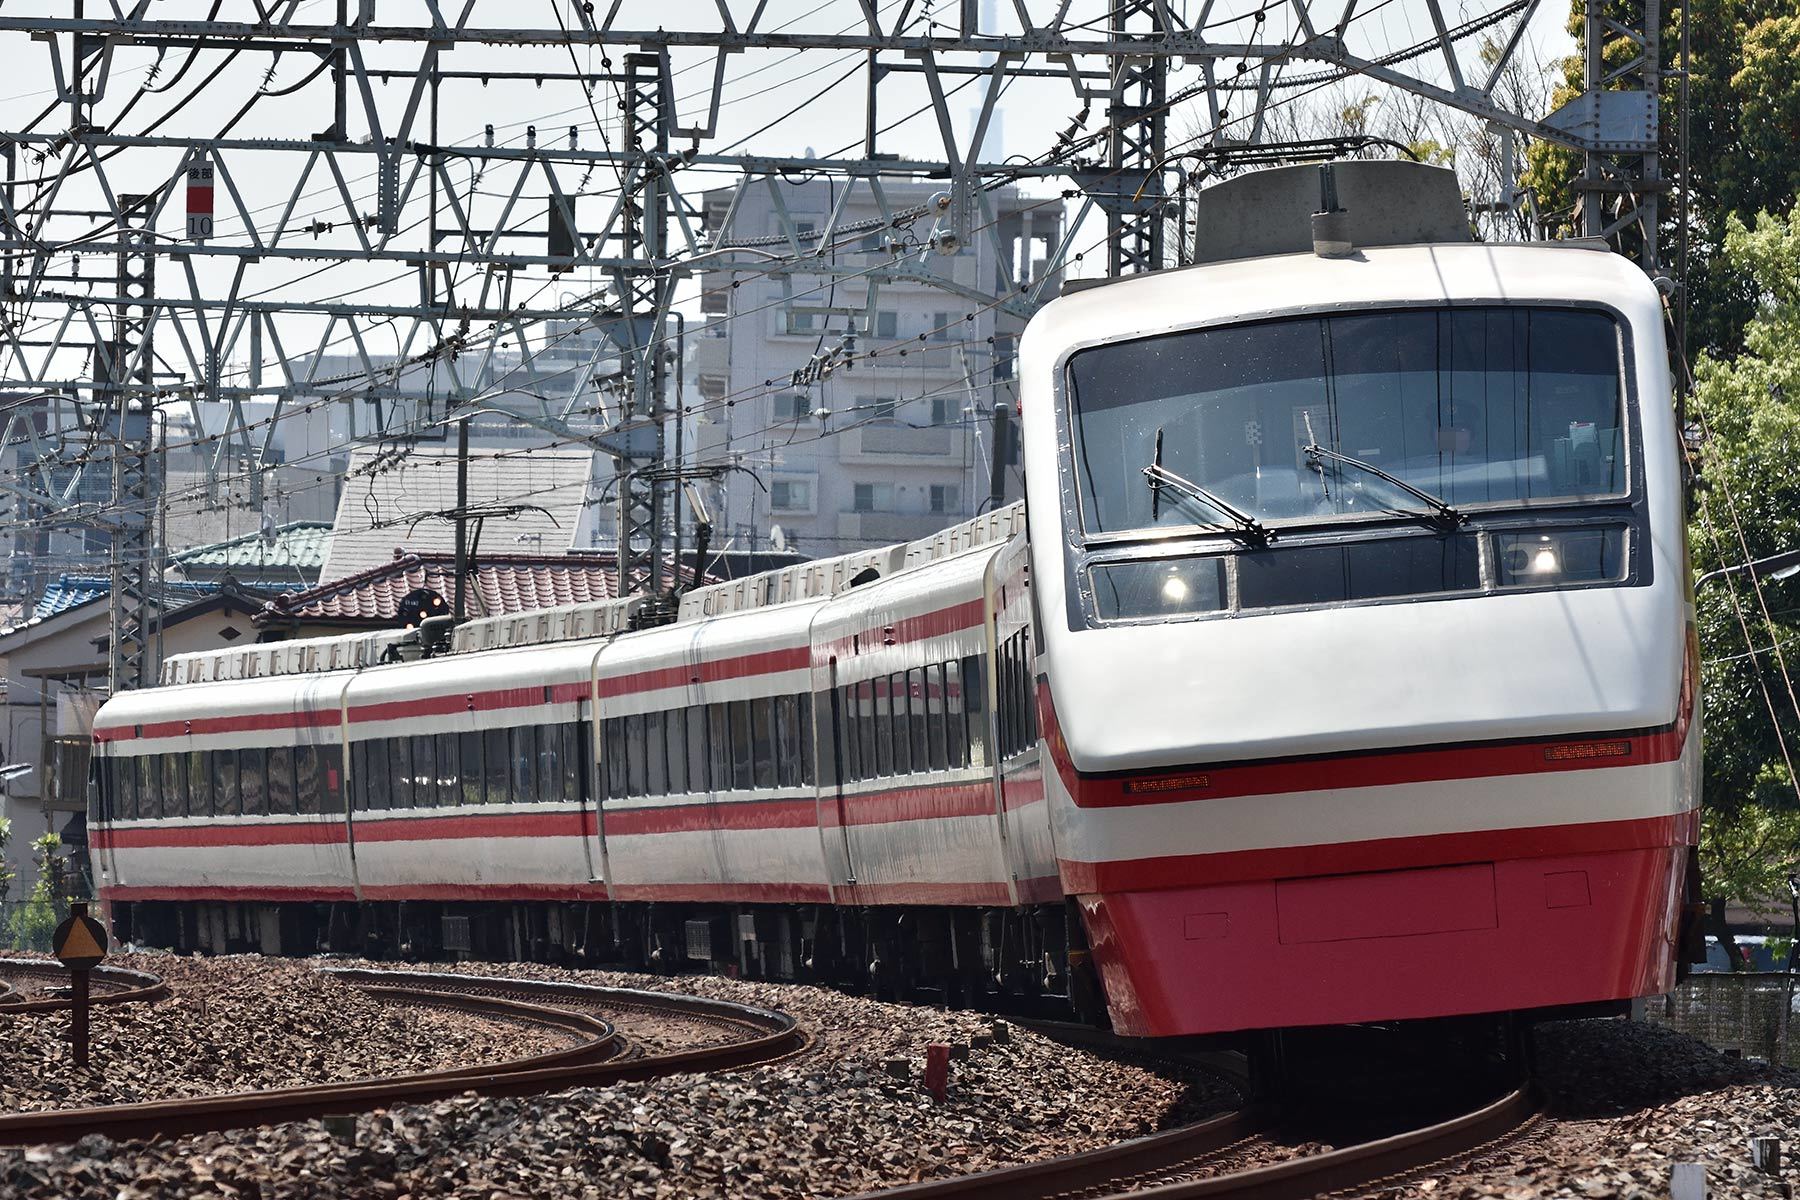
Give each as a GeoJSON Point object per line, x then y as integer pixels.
{"type": "Point", "coordinates": [601, 1057]}
{"type": "Point", "coordinates": [127, 986]}
{"type": "Point", "coordinates": [1294, 1179]}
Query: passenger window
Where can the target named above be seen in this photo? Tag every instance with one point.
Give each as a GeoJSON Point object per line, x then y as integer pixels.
{"type": "Point", "coordinates": [636, 761]}
{"type": "Point", "coordinates": [762, 741]}
{"type": "Point", "coordinates": [916, 706]}
{"type": "Point", "coordinates": [974, 698]}
{"type": "Point", "coordinates": [902, 700]}
{"type": "Point", "coordinates": [200, 783]}
{"type": "Point", "coordinates": [524, 742]}
{"type": "Point", "coordinates": [865, 729]}
{"type": "Point", "coordinates": [469, 774]}
{"type": "Point", "coordinates": [884, 727]}
{"type": "Point", "coordinates": [400, 772]}
{"type": "Point", "coordinates": [743, 758]}
{"type": "Point", "coordinates": [309, 782]}
{"type": "Point", "coordinates": [656, 754]}
{"type": "Point", "coordinates": [956, 731]}
{"type": "Point", "coordinates": [332, 759]}
{"type": "Point", "coordinates": [574, 735]}
{"type": "Point", "coordinates": [549, 763]}
{"type": "Point", "coordinates": [787, 742]}
{"type": "Point", "coordinates": [803, 706]}
{"type": "Point", "coordinates": [718, 736]}
{"type": "Point", "coordinates": [449, 783]}
{"type": "Point", "coordinates": [495, 749]}
{"type": "Point", "coordinates": [174, 785]}
{"type": "Point", "coordinates": [614, 757]}
{"type": "Point", "coordinates": [675, 730]}
{"type": "Point", "coordinates": [226, 802]}
{"type": "Point", "coordinates": [281, 780]}
{"type": "Point", "coordinates": [424, 771]}
{"type": "Point", "coordinates": [931, 690]}
{"type": "Point", "coordinates": [381, 780]}
{"type": "Point", "coordinates": [699, 777]}
{"type": "Point", "coordinates": [149, 787]}
{"type": "Point", "coordinates": [849, 744]}
{"type": "Point", "coordinates": [1029, 683]}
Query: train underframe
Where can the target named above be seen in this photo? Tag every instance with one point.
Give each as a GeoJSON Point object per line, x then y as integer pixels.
{"type": "Point", "coordinates": [1028, 960]}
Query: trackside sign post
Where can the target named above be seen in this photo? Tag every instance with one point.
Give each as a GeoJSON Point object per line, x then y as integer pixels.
{"type": "Point", "coordinates": [80, 944]}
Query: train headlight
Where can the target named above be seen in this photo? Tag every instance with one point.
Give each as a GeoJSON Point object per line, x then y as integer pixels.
{"type": "Point", "coordinates": [1534, 557]}
{"type": "Point", "coordinates": [1175, 589]}
{"type": "Point", "coordinates": [1545, 561]}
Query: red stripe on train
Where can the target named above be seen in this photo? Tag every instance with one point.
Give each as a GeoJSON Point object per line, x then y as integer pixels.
{"type": "Point", "coordinates": [1378, 854]}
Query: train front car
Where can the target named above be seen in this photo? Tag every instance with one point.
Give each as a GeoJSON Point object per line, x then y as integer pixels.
{"type": "Point", "coordinates": [1367, 631]}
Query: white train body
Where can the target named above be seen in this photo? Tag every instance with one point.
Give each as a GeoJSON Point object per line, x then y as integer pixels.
{"type": "Point", "coordinates": [1375, 766]}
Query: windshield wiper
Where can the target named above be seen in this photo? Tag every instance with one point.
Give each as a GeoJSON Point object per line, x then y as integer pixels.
{"type": "Point", "coordinates": [1161, 477]}
{"type": "Point", "coordinates": [1438, 505]}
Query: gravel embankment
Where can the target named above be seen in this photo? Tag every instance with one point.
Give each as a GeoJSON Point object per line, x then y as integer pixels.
{"type": "Point", "coordinates": [827, 1122]}
{"type": "Point", "coordinates": [238, 1023]}
{"type": "Point", "coordinates": [1630, 1100]}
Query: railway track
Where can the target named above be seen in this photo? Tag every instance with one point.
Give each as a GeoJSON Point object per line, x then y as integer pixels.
{"type": "Point", "coordinates": [1218, 1158]}
{"type": "Point", "coordinates": [597, 1053]}
{"type": "Point", "coordinates": [44, 983]}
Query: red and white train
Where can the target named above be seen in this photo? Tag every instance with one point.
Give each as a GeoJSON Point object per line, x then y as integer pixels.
{"type": "Point", "coordinates": [1347, 673]}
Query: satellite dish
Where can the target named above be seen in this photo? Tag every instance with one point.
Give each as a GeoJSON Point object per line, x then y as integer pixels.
{"type": "Point", "coordinates": [778, 537]}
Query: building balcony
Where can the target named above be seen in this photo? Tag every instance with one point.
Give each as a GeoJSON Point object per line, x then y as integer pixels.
{"type": "Point", "coordinates": [885, 442]}
{"type": "Point", "coordinates": [886, 528]}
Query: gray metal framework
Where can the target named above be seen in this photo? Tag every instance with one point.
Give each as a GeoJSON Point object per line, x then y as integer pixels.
{"type": "Point", "coordinates": [360, 181]}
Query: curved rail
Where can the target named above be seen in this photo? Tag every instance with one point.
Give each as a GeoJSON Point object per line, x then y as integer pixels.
{"type": "Point", "coordinates": [124, 986]}
{"type": "Point", "coordinates": [1108, 1170]}
{"type": "Point", "coordinates": [597, 1059]}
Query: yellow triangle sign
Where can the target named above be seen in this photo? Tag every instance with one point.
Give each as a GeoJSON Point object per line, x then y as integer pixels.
{"type": "Point", "coordinates": [80, 942]}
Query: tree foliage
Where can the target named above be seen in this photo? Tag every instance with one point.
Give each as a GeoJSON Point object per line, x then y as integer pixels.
{"type": "Point", "coordinates": [1750, 508]}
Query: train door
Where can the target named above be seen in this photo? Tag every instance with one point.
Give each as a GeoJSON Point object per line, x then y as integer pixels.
{"type": "Point", "coordinates": [996, 651]}
{"type": "Point", "coordinates": [595, 772]}
{"type": "Point", "coordinates": [102, 812]}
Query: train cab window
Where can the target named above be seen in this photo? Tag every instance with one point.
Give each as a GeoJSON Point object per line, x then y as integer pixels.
{"type": "Point", "coordinates": [309, 780]}
{"type": "Point", "coordinates": [226, 800]}
{"type": "Point", "coordinates": [174, 785]}
{"type": "Point", "coordinates": [656, 755]}
{"type": "Point", "coordinates": [743, 758]}
{"type": "Point", "coordinates": [281, 780]}
{"type": "Point", "coordinates": [400, 772]}
{"type": "Point", "coordinates": [424, 771]}
{"type": "Point", "coordinates": [698, 760]}
{"type": "Point", "coordinates": [675, 730]}
{"type": "Point", "coordinates": [718, 740]}
{"type": "Point", "coordinates": [496, 748]}
{"type": "Point", "coordinates": [974, 703]}
{"type": "Point", "coordinates": [200, 783]}
{"type": "Point", "coordinates": [469, 774]}
{"type": "Point", "coordinates": [449, 781]}
{"type": "Point", "coordinates": [900, 692]}
{"type": "Point", "coordinates": [762, 741]}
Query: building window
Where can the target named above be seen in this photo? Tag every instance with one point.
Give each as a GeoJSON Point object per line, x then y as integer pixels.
{"type": "Point", "coordinates": [873, 497]}
{"type": "Point", "coordinates": [943, 326]}
{"type": "Point", "coordinates": [887, 324]}
{"type": "Point", "coordinates": [945, 410]}
{"type": "Point", "coordinates": [792, 406]}
{"type": "Point", "coordinates": [873, 410]}
{"type": "Point", "coordinates": [946, 498]}
{"type": "Point", "coordinates": [803, 321]}
{"type": "Point", "coordinates": [790, 495]}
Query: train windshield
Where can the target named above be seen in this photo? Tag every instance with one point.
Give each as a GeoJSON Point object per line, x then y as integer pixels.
{"type": "Point", "coordinates": [1476, 406]}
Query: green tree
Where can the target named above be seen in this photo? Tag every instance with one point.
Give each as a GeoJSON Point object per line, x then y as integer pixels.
{"type": "Point", "coordinates": [36, 920]}
{"type": "Point", "coordinates": [1750, 508]}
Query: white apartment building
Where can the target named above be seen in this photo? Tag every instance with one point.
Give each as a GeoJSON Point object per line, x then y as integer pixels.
{"type": "Point", "coordinates": [886, 447]}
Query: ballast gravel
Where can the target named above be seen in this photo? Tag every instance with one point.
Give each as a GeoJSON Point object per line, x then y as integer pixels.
{"type": "Point", "coordinates": [233, 1024]}
{"type": "Point", "coordinates": [847, 1115]}
{"type": "Point", "coordinates": [1628, 1102]}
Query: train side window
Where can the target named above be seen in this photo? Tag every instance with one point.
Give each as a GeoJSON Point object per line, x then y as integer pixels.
{"type": "Point", "coordinates": [921, 715]}
{"type": "Point", "coordinates": [281, 780]}
{"type": "Point", "coordinates": [253, 782]}
{"type": "Point", "coordinates": [226, 802]}
{"type": "Point", "coordinates": [309, 780]}
{"type": "Point", "coordinates": [787, 742]}
{"type": "Point", "coordinates": [956, 729]}
{"type": "Point", "coordinates": [902, 705]}
{"type": "Point", "coordinates": [932, 689]}
{"type": "Point", "coordinates": [974, 699]}
{"type": "Point", "coordinates": [699, 776]}
{"type": "Point", "coordinates": [174, 785]}
{"type": "Point", "coordinates": [865, 728]}
{"type": "Point", "coordinates": [613, 734]}
{"type": "Point", "coordinates": [570, 738]}
{"type": "Point", "coordinates": [424, 770]}
{"type": "Point", "coordinates": [884, 726]}
{"type": "Point", "coordinates": [1003, 698]}
{"type": "Point", "coordinates": [675, 730]}
{"type": "Point", "coordinates": [331, 760]}
{"type": "Point", "coordinates": [656, 754]}
{"type": "Point", "coordinates": [524, 742]}
{"type": "Point", "coordinates": [381, 782]}
{"type": "Point", "coordinates": [200, 783]}
{"type": "Point", "coordinates": [636, 761]}
{"type": "Point", "coordinates": [849, 743]}
{"type": "Point", "coordinates": [1029, 662]}
{"type": "Point", "coordinates": [803, 716]}
{"type": "Point", "coordinates": [743, 758]}
{"type": "Point", "coordinates": [580, 760]}
{"type": "Point", "coordinates": [762, 741]}
{"type": "Point", "coordinates": [359, 776]}
{"type": "Point", "coordinates": [121, 787]}
{"type": "Point", "coordinates": [149, 787]}
{"type": "Point", "coordinates": [468, 772]}
{"type": "Point", "coordinates": [494, 765]}
{"type": "Point", "coordinates": [718, 739]}
{"type": "Point", "coordinates": [400, 772]}
{"type": "Point", "coordinates": [449, 784]}
{"type": "Point", "coordinates": [549, 764]}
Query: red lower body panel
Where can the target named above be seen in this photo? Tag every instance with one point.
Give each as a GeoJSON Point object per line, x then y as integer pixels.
{"type": "Point", "coordinates": [1389, 945]}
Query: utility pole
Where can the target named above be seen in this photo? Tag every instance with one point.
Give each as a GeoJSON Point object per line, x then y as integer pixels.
{"type": "Point", "coordinates": [458, 608]}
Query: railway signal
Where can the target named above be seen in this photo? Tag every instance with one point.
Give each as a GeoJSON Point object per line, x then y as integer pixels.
{"type": "Point", "coordinates": [79, 943]}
